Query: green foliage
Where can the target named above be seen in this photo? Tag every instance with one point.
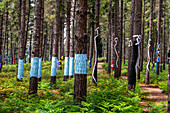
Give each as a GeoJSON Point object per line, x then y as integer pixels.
{"type": "Point", "coordinates": [109, 96]}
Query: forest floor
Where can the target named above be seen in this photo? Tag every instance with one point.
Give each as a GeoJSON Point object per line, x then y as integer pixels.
{"type": "Point", "coordinates": [155, 93]}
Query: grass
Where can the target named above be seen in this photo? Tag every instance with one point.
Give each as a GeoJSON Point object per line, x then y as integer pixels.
{"type": "Point", "coordinates": [109, 96]}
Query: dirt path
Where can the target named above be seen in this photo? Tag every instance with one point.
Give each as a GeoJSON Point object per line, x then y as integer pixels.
{"type": "Point", "coordinates": [155, 94]}
{"type": "Point", "coordinates": [99, 66]}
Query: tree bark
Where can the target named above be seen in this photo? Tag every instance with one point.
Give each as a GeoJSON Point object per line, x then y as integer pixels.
{"type": "Point", "coordinates": [131, 35]}
{"type": "Point", "coordinates": [30, 46]}
{"type": "Point", "coordinates": [41, 40]}
{"type": "Point", "coordinates": [159, 36]}
{"type": "Point", "coordinates": [35, 50]}
{"type": "Point", "coordinates": [164, 46]}
{"type": "Point", "coordinates": [116, 38]}
{"type": "Point", "coordinates": [97, 36]}
{"type": "Point", "coordinates": [109, 38]}
{"type": "Point", "coordinates": [66, 67]}
{"type": "Point", "coordinates": [124, 46]}
{"type": "Point", "coordinates": [21, 42]}
{"type": "Point", "coordinates": [72, 41]}
{"type": "Point", "coordinates": [92, 39]}
{"type": "Point", "coordinates": [55, 44]}
{"type": "Point", "coordinates": [11, 49]}
{"type": "Point", "coordinates": [121, 38]}
{"type": "Point", "coordinates": [137, 32]}
{"type": "Point", "coordinates": [149, 43]}
{"type": "Point", "coordinates": [1, 29]}
{"type": "Point", "coordinates": [28, 20]}
{"type": "Point", "coordinates": [80, 80]}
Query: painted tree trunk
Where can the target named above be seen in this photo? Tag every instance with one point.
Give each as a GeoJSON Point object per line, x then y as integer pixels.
{"type": "Point", "coordinates": [21, 42]}
{"type": "Point", "coordinates": [116, 39]}
{"type": "Point", "coordinates": [66, 66]}
{"type": "Point", "coordinates": [1, 29]}
{"type": "Point", "coordinates": [121, 41]}
{"type": "Point", "coordinates": [33, 84]}
{"type": "Point", "coordinates": [27, 28]}
{"type": "Point", "coordinates": [109, 38]}
{"type": "Point", "coordinates": [92, 39]}
{"type": "Point", "coordinates": [80, 79]}
{"type": "Point", "coordinates": [159, 36]}
{"type": "Point", "coordinates": [55, 44]}
{"type": "Point", "coordinates": [41, 40]}
{"type": "Point", "coordinates": [112, 38]}
{"type": "Point", "coordinates": [71, 65]}
{"type": "Point", "coordinates": [131, 36]}
{"type": "Point", "coordinates": [136, 41]}
{"type": "Point", "coordinates": [149, 43]}
{"type": "Point", "coordinates": [97, 38]}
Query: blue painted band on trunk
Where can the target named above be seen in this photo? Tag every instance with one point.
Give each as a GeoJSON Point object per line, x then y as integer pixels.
{"type": "Point", "coordinates": [34, 67]}
{"type": "Point", "coordinates": [39, 67]}
{"type": "Point", "coordinates": [71, 66]}
{"type": "Point", "coordinates": [20, 68]}
{"type": "Point", "coordinates": [54, 66]}
{"type": "Point", "coordinates": [90, 62]}
{"type": "Point", "coordinates": [80, 63]}
{"type": "Point", "coordinates": [66, 67]}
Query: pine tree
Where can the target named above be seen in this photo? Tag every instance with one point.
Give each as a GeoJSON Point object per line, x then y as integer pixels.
{"type": "Point", "coordinates": [55, 44]}
{"type": "Point", "coordinates": [80, 80]}
{"type": "Point", "coordinates": [33, 84]}
{"type": "Point", "coordinates": [66, 67]}
{"type": "Point", "coordinates": [1, 29]}
{"type": "Point", "coordinates": [149, 43]}
{"type": "Point", "coordinates": [21, 42]}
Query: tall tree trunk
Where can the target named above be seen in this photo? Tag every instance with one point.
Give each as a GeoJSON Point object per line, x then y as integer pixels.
{"type": "Point", "coordinates": [116, 41]}
{"type": "Point", "coordinates": [149, 43]}
{"type": "Point", "coordinates": [45, 44]}
{"type": "Point", "coordinates": [21, 42]}
{"type": "Point", "coordinates": [72, 41]}
{"type": "Point", "coordinates": [30, 46]}
{"type": "Point", "coordinates": [55, 44]}
{"type": "Point", "coordinates": [121, 38]}
{"type": "Point", "coordinates": [164, 45]}
{"type": "Point", "coordinates": [168, 59]}
{"type": "Point", "coordinates": [97, 37]}
{"type": "Point", "coordinates": [92, 39]}
{"type": "Point", "coordinates": [80, 80]}
{"type": "Point", "coordinates": [124, 46]}
{"type": "Point", "coordinates": [50, 44]}
{"type": "Point", "coordinates": [66, 67]}
{"type": "Point", "coordinates": [159, 36]}
{"type": "Point", "coordinates": [33, 85]}
{"type": "Point", "coordinates": [136, 41]}
{"type": "Point", "coordinates": [1, 29]}
{"type": "Point", "coordinates": [41, 40]}
{"type": "Point", "coordinates": [109, 38]}
{"type": "Point", "coordinates": [28, 20]}
{"type": "Point", "coordinates": [131, 36]}
{"type": "Point", "coordinates": [112, 37]}
{"type": "Point", "coordinates": [11, 49]}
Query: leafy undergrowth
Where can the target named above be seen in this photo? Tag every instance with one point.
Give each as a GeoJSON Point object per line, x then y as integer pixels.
{"type": "Point", "coordinates": [157, 80]}
{"type": "Point", "coordinates": [109, 96]}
